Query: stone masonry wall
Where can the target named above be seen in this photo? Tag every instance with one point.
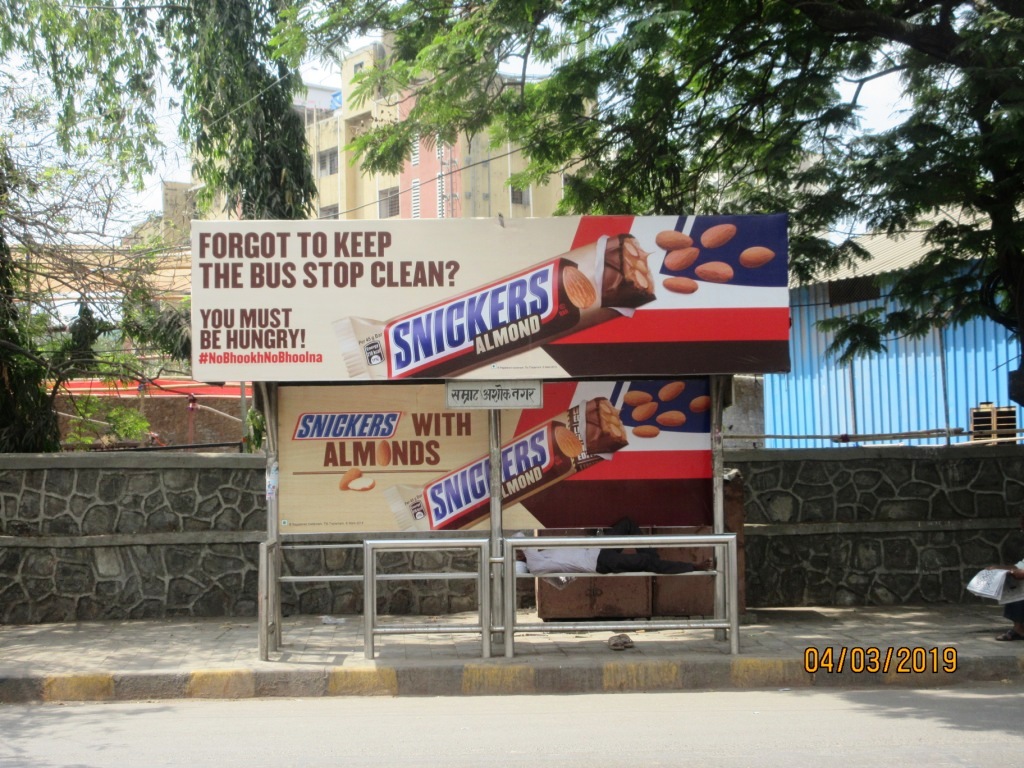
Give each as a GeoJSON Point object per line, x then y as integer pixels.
{"type": "Point", "coordinates": [149, 535]}
{"type": "Point", "coordinates": [104, 536]}
{"type": "Point", "coordinates": [878, 526]}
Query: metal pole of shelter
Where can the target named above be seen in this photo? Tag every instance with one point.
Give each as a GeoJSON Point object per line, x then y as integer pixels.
{"type": "Point", "coordinates": [269, 603]}
{"type": "Point", "coordinates": [718, 384]}
{"type": "Point", "coordinates": [497, 562]}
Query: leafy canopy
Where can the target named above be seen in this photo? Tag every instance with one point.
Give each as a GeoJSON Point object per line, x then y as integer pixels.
{"type": "Point", "coordinates": [69, 148]}
{"type": "Point", "coordinates": [736, 106]}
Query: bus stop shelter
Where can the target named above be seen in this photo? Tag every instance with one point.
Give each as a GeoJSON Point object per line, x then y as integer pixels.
{"type": "Point", "coordinates": [443, 384]}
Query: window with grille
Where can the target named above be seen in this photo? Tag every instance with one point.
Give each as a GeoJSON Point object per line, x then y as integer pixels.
{"type": "Point", "coordinates": [415, 198]}
{"type": "Point", "coordinates": [440, 196]}
{"type": "Point", "coordinates": [387, 203]}
{"type": "Point", "coordinates": [520, 196]}
{"type": "Point", "coordinates": [415, 159]}
{"type": "Point", "coordinates": [329, 212]}
{"type": "Point", "coordinates": [328, 161]}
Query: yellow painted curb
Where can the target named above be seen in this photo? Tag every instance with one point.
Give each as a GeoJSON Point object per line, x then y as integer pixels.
{"type": "Point", "coordinates": [759, 673]}
{"type": "Point", "coordinates": [98, 687]}
{"type": "Point", "coordinates": [480, 679]}
{"type": "Point", "coordinates": [632, 676]}
{"type": "Point", "coordinates": [221, 684]}
{"type": "Point", "coordinates": [362, 682]}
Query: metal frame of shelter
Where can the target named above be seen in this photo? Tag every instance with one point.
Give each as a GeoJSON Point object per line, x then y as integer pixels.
{"type": "Point", "coordinates": [495, 575]}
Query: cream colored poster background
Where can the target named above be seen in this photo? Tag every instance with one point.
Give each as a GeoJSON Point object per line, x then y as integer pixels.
{"type": "Point", "coordinates": [277, 280]}
{"type": "Point", "coordinates": [428, 441]}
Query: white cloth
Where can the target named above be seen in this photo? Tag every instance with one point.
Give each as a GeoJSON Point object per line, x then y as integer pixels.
{"type": "Point", "coordinates": [562, 560]}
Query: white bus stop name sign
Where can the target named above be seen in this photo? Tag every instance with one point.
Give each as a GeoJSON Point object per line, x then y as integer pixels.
{"type": "Point", "coordinates": [494, 394]}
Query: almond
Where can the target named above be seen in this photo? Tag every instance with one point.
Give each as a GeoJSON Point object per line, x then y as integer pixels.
{"type": "Point", "coordinates": [681, 259]}
{"type": "Point", "coordinates": [715, 272]}
{"type": "Point", "coordinates": [567, 442]}
{"type": "Point", "coordinates": [382, 453]}
{"type": "Point", "coordinates": [671, 391]}
{"type": "Point", "coordinates": [756, 256]}
{"type": "Point", "coordinates": [578, 289]}
{"type": "Point", "coordinates": [671, 418]}
{"type": "Point", "coordinates": [670, 240]}
{"type": "Point", "coordinates": [646, 430]}
{"type": "Point", "coordinates": [700, 404]}
{"type": "Point", "coordinates": [362, 484]}
{"type": "Point", "coordinates": [346, 480]}
{"type": "Point", "coordinates": [645, 411]}
{"type": "Point", "coordinates": [636, 397]}
{"type": "Point", "coordinates": [680, 284]}
{"type": "Point", "coordinates": [718, 235]}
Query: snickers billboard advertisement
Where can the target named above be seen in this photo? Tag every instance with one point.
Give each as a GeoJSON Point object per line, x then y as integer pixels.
{"type": "Point", "coordinates": [559, 298]}
{"type": "Point", "coordinates": [391, 457]}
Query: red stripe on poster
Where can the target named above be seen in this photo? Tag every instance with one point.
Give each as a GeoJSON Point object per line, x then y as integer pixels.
{"type": "Point", "coordinates": [558, 396]}
{"type": "Point", "coordinates": [674, 325]}
{"type": "Point", "coordinates": [591, 228]}
{"type": "Point", "coordinates": [649, 465]}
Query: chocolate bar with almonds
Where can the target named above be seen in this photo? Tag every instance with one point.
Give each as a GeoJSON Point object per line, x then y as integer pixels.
{"type": "Point", "coordinates": [605, 432]}
{"type": "Point", "coordinates": [627, 278]}
{"type": "Point", "coordinates": [531, 462]}
{"type": "Point", "coordinates": [589, 285]}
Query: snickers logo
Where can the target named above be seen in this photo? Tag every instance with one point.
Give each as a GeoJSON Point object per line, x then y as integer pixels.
{"type": "Point", "coordinates": [346, 426]}
{"type": "Point", "coordinates": [513, 309]}
{"type": "Point", "coordinates": [524, 462]}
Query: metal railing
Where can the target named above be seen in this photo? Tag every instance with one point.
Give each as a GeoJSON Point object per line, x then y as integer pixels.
{"type": "Point", "coordinates": [724, 544]}
{"type": "Point", "coordinates": [487, 625]}
{"type": "Point", "coordinates": [322, 576]}
{"type": "Point", "coordinates": [370, 576]}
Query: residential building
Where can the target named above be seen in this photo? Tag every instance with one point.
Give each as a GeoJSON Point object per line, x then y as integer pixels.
{"type": "Point", "coordinates": [465, 179]}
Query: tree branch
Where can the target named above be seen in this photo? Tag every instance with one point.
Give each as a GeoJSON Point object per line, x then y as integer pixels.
{"type": "Point", "coordinates": [940, 42]}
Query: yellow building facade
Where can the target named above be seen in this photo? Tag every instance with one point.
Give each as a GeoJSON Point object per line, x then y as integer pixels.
{"type": "Point", "coordinates": [467, 179]}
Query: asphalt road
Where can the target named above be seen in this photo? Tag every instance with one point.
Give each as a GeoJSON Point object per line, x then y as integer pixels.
{"type": "Point", "coordinates": [891, 727]}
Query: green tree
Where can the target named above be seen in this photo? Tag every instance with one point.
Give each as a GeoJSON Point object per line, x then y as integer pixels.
{"type": "Point", "coordinates": [102, 61]}
{"type": "Point", "coordinates": [247, 141]}
{"type": "Point", "coordinates": [738, 106]}
{"type": "Point", "coordinates": [58, 270]}
{"type": "Point", "coordinates": [23, 396]}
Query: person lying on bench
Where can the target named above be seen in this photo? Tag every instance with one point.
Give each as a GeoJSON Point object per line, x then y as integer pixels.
{"type": "Point", "coordinates": [606, 559]}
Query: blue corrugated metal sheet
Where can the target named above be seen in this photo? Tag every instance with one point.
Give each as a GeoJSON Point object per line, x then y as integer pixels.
{"type": "Point", "coordinates": [916, 385]}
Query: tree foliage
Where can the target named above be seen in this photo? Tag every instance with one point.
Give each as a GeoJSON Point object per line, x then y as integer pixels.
{"type": "Point", "coordinates": [61, 276]}
{"type": "Point", "coordinates": [22, 394]}
{"type": "Point", "coordinates": [737, 106]}
{"type": "Point", "coordinates": [246, 139]}
{"type": "Point", "coordinates": [67, 155]}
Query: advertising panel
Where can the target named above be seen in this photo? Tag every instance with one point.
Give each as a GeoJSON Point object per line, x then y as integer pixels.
{"type": "Point", "coordinates": [391, 457]}
{"type": "Point", "coordinates": [561, 298]}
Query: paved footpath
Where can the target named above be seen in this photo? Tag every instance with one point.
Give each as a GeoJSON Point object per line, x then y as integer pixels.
{"type": "Point", "coordinates": [324, 656]}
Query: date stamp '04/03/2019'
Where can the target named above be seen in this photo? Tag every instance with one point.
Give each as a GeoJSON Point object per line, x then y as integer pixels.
{"type": "Point", "coordinates": [907, 660]}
